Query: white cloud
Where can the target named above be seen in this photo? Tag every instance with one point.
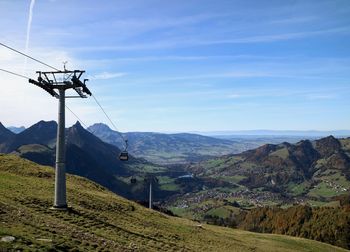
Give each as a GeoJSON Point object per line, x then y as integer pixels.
{"type": "Point", "coordinates": [178, 42]}
{"type": "Point", "coordinates": [321, 96]}
{"type": "Point", "coordinates": [234, 96]}
{"type": "Point", "coordinates": [107, 76]}
{"type": "Point", "coordinates": [293, 20]}
{"type": "Point", "coordinates": [228, 74]}
{"type": "Point", "coordinates": [278, 37]}
{"type": "Point", "coordinates": [305, 93]}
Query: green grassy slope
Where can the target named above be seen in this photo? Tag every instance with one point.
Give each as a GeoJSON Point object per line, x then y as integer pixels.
{"type": "Point", "coordinates": [101, 221]}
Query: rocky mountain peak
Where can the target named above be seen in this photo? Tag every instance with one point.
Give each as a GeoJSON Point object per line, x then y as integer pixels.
{"type": "Point", "coordinates": [261, 152]}
{"type": "Point", "coordinates": [43, 124]}
{"type": "Point", "coordinates": [41, 129]}
{"type": "Point", "coordinates": [78, 125]}
{"type": "Point", "coordinates": [328, 145]}
{"type": "Point", "coordinates": [101, 127]}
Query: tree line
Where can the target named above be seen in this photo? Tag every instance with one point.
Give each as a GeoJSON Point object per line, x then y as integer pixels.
{"type": "Point", "coordinates": [325, 224]}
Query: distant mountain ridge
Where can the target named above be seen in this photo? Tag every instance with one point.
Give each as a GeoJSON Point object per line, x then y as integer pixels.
{"type": "Point", "coordinates": [170, 148]}
{"type": "Point", "coordinates": [277, 165]}
{"type": "Point", "coordinates": [39, 133]}
{"type": "Point", "coordinates": [304, 133]}
{"type": "Point", "coordinates": [16, 130]}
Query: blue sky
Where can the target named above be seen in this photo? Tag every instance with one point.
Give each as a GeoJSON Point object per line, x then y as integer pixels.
{"type": "Point", "coordinates": [185, 65]}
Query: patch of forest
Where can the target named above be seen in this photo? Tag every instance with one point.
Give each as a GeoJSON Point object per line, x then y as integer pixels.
{"type": "Point", "coordinates": [325, 224]}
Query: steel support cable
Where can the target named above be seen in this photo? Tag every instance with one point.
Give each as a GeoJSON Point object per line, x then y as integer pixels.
{"type": "Point", "coordinates": [109, 119]}
{"type": "Point", "coordinates": [26, 55]}
{"type": "Point", "coordinates": [10, 72]}
{"type": "Point", "coordinates": [78, 118]}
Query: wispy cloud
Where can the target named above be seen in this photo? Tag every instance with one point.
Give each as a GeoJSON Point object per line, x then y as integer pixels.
{"type": "Point", "coordinates": [106, 76]}
{"type": "Point", "coordinates": [279, 37]}
{"type": "Point", "coordinates": [202, 41]}
{"type": "Point", "coordinates": [294, 20]}
{"type": "Point", "coordinates": [304, 94]}
{"type": "Point", "coordinates": [235, 96]}
{"type": "Point", "coordinates": [218, 75]}
{"type": "Point", "coordinates": [29, 25]}
{"type": "Point", "coordinates": [190, 58]}
{"type": "Point", "coordinates": [321, 96]}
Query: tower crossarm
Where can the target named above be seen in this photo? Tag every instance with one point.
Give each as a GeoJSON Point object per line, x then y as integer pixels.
{"type": "Point", "coordinates": [46, 88]}
{"type": "Point", "coordinates": [72, 81]}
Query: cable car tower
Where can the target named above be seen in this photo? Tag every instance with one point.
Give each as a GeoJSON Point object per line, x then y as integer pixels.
{"type": "Point", "coordinates": [61, 81]}
{"type": "Point", "coordinates": [149, 179]}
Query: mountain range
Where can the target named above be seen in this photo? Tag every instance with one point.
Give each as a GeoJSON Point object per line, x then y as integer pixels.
{"type": "Point", "coordinates": [279, 166]}
{"type": "Point", "coordinates": [86, 154]}
{"type": "Point", "coordinates": [308, 172]}
{"type": "Point", "coordinates": [89, 156]}
{"type": "Point", "coordinates": [171, 148]}
{"type": "Point", "coordinates": [285, 173]}
{"type": "Point", "coordinates": [290, 133]}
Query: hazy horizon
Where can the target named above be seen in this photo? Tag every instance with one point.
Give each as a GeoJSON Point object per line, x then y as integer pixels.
{"type": "Point", "coordinates": [252, 132]}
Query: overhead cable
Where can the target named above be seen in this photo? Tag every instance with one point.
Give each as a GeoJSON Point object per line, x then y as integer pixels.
{"type": "Point", "coordinates": [78, 118]}
{"type": "Point", "coordinates": [26, 55]}
{"type": "Point", "coordinates": [109, 119]}
{"type": "Point", "coordinates": [10, 72]}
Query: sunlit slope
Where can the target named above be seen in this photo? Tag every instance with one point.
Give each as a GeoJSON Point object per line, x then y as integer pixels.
{"type": "Point", "coordinates": [100, 220]}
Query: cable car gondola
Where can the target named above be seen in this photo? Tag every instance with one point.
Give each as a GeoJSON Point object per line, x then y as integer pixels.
{"type": "Point", "coordinates": [124, 155]}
